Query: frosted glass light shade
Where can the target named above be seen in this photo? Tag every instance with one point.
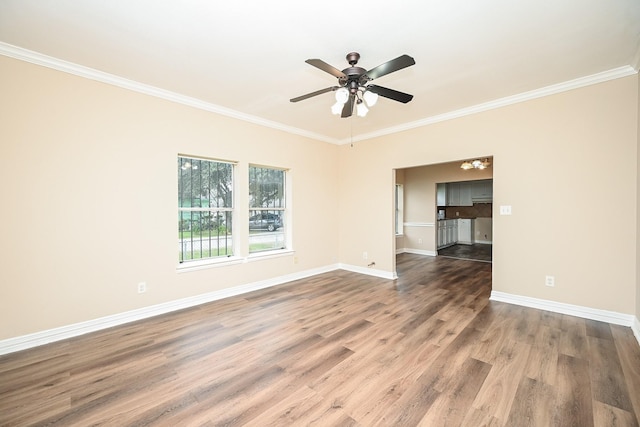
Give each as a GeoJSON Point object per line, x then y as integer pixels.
{"type": "Point", "coordinates": [342, 95]}
{"type": "Point", "coordinates": [336, 108]}
{"type": "Point", "coordinates": [370, 98]}
{"type": "Point", "coordinates": [361, 109]}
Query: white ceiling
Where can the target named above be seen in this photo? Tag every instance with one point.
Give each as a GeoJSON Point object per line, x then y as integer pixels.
{"type": "Point", "coordinates": [246, 58]}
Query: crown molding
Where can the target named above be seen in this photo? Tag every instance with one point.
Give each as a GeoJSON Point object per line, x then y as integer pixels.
{"type": "Point", "coordinates": [605, 76]}
{"type": "Point", "coordinates": [100, 76]}
{"type": "Point", "coordinates": [111, 79]}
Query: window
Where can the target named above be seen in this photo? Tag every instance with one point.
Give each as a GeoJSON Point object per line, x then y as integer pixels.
{"type": "Point", "coordinates": [205, 209]}
{"type": "Point", "coordinates": [267, 209]}
{"type": "Point", "coordinates": [399, 209]}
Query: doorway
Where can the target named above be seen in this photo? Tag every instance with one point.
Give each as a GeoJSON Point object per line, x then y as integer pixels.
{"type": "Point", "coordinates": [422, 202]}
{"type": "Point", "coordinates": [465, 219]}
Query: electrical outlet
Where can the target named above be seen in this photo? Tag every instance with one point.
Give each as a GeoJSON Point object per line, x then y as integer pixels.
{"type": "Point", "coordinates": [142, 287]}
{"type": "Point", "coordinates": [419, 241]}
{"type": "Point", "coordinates": [365, 255]}
{"type": "Point", "coordinates": [550, 281]}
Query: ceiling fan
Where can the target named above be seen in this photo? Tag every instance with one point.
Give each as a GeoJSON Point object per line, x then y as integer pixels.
{"type": "Point", "coordinates": [353, 88]}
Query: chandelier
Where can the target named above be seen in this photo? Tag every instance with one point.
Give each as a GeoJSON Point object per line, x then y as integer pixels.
{"type": "Point", "coordinates": [475, 164]}
{"type": "Point", "coordinates": [361, 96]}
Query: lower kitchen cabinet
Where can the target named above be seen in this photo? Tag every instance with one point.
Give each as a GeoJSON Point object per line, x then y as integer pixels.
{"type": "Point", "coordinates": [452, 231]}
{"type": "Point", "coordinates": [465, 231]}
{"type": "Point", "coordinates": [447, 232]}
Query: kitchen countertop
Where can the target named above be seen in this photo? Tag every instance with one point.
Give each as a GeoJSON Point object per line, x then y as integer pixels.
{"type": "Point", "coordinates": [458, 217]}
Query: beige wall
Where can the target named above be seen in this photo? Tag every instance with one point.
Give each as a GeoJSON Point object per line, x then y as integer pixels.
{"type": "Point", "coordinates": [88, 182]}
{"type": "Point", "coordinates": [483, 229]}
{"type": "Point", "coordinates": [553, 158]}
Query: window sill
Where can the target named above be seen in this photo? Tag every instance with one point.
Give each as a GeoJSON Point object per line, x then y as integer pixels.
{"type": "Point", "coordinates": [269, 254]}
{"type": "Point", "coordinates": [224, 262]}
{"type": "Point", "coordinates": [208, 263]}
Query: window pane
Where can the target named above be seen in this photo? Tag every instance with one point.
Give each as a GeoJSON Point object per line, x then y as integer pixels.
{"type": "Point", "coordinates": [267, 215]}
{"type": "Point", "coordinates": [266, 188]}
{"type": "Point", "coordinates": [204, 235]}
{"type": "Point", "coordinates": [266, 230]}
{"type": "Point", "coordinates": [205, 183]}
{"type": "Point", "coordinates": [205, 202]}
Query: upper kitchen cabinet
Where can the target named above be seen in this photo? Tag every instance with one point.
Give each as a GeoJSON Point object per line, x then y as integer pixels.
{"type": "Point", "coordinates": [465, 193]}
{"type": "Point", "coordinates": [441, 194]}
{"type": "Point", "coordinates": [482, 191]}
{"type": "Point", "coordinates": [459, 194]}
{"type": "Point", "coordinates": [453, 194]}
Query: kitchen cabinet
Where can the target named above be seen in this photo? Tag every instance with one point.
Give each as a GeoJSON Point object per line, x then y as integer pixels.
{"type": "Point", "coordinates": [459, 194]}
{"type": "Point", "coordinates": [482, 191]}
{"type": "Point", "coordinates": [453, 194]}
{"type": "Point", "coordinates": [465, 194]}
{"type": "Point", "coordinates": [447, 232]}
{"type": "Point", "coordinates": [441, 195]}
{"type": "Point", "coordinates": [465, 231]}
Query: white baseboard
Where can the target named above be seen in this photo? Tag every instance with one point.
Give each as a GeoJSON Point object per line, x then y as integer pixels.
{"type": "Point", "coordinates": [420, 252]}
{"type": "Point", "coordinates": [572, 310]}
{"type": "Point", "coordinates": [24, 342]}
{"type": "Point", "coordinates": [57, 334]}
{"type": "Point", "coordinates": [483, 242]}
{"type": "Point", "coordinates": [369, 271]}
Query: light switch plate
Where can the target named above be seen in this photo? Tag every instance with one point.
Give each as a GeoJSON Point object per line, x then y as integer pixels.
{"type": "Point", "coordinates": [505, 210]}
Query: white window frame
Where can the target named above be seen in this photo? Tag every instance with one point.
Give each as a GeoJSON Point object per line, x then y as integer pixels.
{"type": "Point", "coordinates": [228, 212]}
{"type": "Point", "coordinates": [285, 215]}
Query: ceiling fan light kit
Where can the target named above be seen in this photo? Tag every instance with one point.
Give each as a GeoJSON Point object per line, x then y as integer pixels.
{"type": "Point", "coordinates": [354, 90]}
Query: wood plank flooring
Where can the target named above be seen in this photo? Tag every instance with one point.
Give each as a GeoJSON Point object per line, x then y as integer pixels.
{"type": "Point", "coordinates": [338, 349]}
{"type": "Point", "coordinates": [477, 252]}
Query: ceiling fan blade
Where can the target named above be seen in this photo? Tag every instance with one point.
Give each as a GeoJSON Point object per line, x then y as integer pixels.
{"type": "Point", "coordinates": [319, 63]}
{"type": "Point", "coordinates": [347, 110]}
{"type": "Point", "coordinates": [390, 93]}
{"type": "Point", "coordinates": [399, 63]}
{"type": "Point", "coordinates": [309, 95]}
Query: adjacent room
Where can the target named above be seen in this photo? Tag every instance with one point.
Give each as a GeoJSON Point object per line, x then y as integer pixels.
{"type": "Point", "coordinates": [320, 213]}
{"type": "Point", "coordinates": [447, 210]}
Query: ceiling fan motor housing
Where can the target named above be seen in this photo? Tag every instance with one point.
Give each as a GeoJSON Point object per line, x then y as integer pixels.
{"type": "Point", "coordinates": [352, 82]}
{"type": "Point", "coordinates": [353, 74]}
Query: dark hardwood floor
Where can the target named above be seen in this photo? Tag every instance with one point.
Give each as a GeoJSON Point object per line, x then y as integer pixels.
{"type": "Point", "coordinates": [338, 349]}
{"type": "Point", "coordinates": [476, 252]}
